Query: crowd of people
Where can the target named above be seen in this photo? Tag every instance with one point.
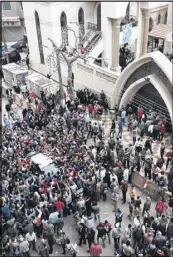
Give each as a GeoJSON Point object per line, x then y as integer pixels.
{"type": "Point", "coordinates": [35, 204]}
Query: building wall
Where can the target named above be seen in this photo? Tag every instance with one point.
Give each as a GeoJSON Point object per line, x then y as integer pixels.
{"type": "Point", "coordinates": [15, 10]}
{"type": "Point", "coordinates": [72, 18]}
{"type": "Point", "coordinates": [49, 15]}
{"type": "Point", "coordinates": [155, 13]}
{"type": "Point", "coordinates": [14, 33]}
{"type": "Point", "coordinates": [44, 13]}
{"type": "Point", "coordinates": [170, 13]}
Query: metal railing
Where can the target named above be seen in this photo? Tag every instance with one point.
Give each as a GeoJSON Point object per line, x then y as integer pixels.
{"type": "Point", "coordinates": [86, 37]}
{"type": "Point", "coordinates": [93, 42]}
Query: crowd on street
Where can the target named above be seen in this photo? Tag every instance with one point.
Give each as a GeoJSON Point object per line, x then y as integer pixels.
{"type": "Point", "coordinates": [35, 204]}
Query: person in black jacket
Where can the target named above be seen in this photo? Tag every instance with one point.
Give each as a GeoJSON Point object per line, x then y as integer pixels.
{"type": "Point", "coordinates": [8, 109]}
{"type": "Point", "coordinates": [113, 126]}
{"type": "Point", "coordinates": [101, 233]}
{"type": "Point", "coordinates": [90, 238]}
{"type": "Point", "coordinates": [82, 233]}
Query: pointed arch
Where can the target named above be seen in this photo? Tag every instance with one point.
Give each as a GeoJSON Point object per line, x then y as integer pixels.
{"type": "Point", "coordinates": [166, 18]}
{"type": "Point", "coordinates": [150, 24]}
{"type": "Point", "coordinates": [64, 30]}
{"type": "Point", "coordinates": [81, 22]}
{"type": "Point", "coordinates": [159, 86]}
{"type": "Point", "coordinates": [157, 57]}
{"type": "Point", "coordinates": [99, 17]}
{"type": "Point", "coordinates": [158, 19]}
{"type": "Point", "coordinates": [39, 37]}
{"type": "Point", "coordinates": [127, 17]}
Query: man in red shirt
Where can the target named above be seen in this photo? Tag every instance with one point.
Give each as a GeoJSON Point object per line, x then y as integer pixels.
{"type": "Point", "coordinates": [95, 250]}
{"type": "Point", "coordinates": [59, 206]}
{"type": "Point", "coordinates": [162, 131]}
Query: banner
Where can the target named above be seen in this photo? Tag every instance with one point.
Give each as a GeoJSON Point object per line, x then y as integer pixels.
{"type": "Point", "coordinates": [127, 32]}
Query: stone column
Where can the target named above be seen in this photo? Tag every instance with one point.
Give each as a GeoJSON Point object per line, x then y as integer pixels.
{"type": "Point", "coordinates": [115, 44]}
{"type": "Point", "coordinates": [146, 18]}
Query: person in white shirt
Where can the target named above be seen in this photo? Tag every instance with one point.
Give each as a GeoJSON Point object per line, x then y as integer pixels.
{"type": "Point", "coordinates": [102, 174]}
{"type": "Point", "coordinates": [150, 130]}
{"type": "Point", "coordinates": [94, 152]}
{"type": "Point", "coordinates": [90, 223]}
{"type": "Point", "coordinates": [24, 247]}
{"type": "Point", "coordinates": [126, 174]}
{"type": "Point", "coordinates": [31, 238]}
{"type": "Point", "coordinates": [136, 221]}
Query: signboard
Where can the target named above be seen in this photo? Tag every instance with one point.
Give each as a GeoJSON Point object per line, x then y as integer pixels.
{"type": "Point", "coordinates": [126, 32]}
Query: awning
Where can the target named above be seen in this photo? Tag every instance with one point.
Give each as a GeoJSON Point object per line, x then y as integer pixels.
{"type": "Point", "coordinates": [161, 31]}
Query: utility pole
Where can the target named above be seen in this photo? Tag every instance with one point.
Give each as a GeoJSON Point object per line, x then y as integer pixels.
{"type": "Point", "coordinates": [4, 41]}
{"type": "Point", "coordinates": [57, 52]}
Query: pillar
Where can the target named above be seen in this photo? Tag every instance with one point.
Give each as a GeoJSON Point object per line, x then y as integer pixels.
{"type": "Point", "coordinates": [115, 45]}
{"type": "Point", "coordinates": [146, 18]}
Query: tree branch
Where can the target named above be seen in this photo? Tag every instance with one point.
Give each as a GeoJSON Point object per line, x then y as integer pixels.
{"type": "Point", "coordinates": [64, 56]}
{"type": "Point", "coordinates": [76, 37]}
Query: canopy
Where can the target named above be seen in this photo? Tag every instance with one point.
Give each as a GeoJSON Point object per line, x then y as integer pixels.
{"type": "Point", "coordinates": [161, 31]}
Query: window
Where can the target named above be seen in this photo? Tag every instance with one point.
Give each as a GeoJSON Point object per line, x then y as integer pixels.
{"type": "Point", "coordinates": [150, 24]}
{"type": "Point", "coordinates": [21, 5]}
{"type": "Point", "coordinates": [39, 37]}
{"type": "Point", "coordinates": [99, 17]}
{"type": "Point", "coordinates": [6, 6]}
{"type": "Point", "coordinates": [81, 23]}
{"type": "Point", "coordinates": [63, 20]}
{"type": "Point", "coordinates": [64, 30]}
{"type": "Point", "coordinates": [166, 18]}
{"type": "Point", "coordinates": [127, 17]}
{"type": "Point", "coordinates": [81, 16]}
{"type": "Point", "coordinates": [159, 19]}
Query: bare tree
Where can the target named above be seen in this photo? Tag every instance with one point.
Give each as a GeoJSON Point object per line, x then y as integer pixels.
{"type": "Point", "coordinates": [56, 50]}
{"type": "Point", "coordinates": [70, 58]}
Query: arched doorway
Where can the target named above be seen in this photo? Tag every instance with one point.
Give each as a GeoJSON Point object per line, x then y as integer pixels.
{"type": "Point", "coordinates": [166, 18]}
{"type": "Point", "coordinates": [39, 37]}
{"type": "Point", "coordinates": [150, 24]}
{"type": "Point", "coordinates": [64, 30]}
{"type": "Point", "coordinates": [99, 17]}
{"type": "Point", "coordinates": [154, 63]}
{"type": "Point", "coordinates": [158, 19]}
{"type": "Point", "coordinates": [150, 94]}
{"type": "Point", "coordinates": [81, 23]}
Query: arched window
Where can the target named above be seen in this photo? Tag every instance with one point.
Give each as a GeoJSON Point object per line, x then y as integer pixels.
{"type": "Point", "coordinates": [127, 17]}
{"type": "Point", "coordinates": [150, 24]}
{"type": "Point", "coordinates": [64, 30]}
{"type": "Point", "coordinates": [99, 17]}
{"type": "Point", "coordinates": [81, 22]}
{"type": "Point", "coordinates": [39, 37]}
{"type": "Point", "coordinates": [159, 19]}
{"type": "Point", "coordinates": [166, 18]}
